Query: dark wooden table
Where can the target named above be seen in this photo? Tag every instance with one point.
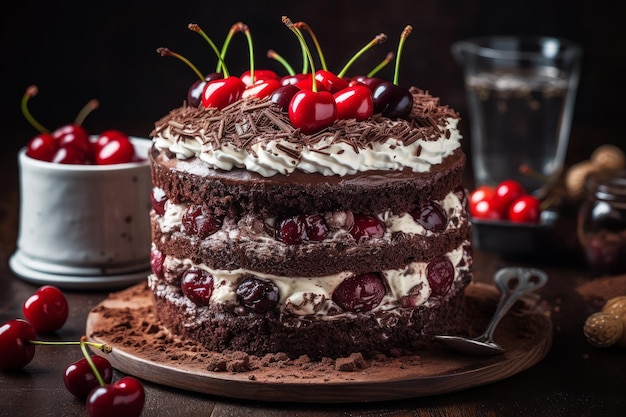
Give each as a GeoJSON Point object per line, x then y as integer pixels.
{"type": "Point", "coordinates": [575, 379]}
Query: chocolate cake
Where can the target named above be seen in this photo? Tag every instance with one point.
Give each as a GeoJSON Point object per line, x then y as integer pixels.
{"type": "Point", "coordinates": [351, 239]}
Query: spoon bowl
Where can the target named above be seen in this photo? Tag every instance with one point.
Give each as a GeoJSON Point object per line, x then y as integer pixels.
{"type": "Point", "coordinates": [512, 282]}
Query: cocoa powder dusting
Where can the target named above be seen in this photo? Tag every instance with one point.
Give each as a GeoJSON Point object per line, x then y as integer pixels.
{"type": "Point", "coordinates": [127, 321]}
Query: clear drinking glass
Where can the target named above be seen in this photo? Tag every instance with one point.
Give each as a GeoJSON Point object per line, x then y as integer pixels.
{"type": "Point", "coordinates": [521, 93]}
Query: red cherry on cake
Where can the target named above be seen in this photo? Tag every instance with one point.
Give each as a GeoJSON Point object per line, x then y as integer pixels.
{"type": "Point", "coordinates": [113, 147]}
{"type": "Point", "coordinates": [221, 93]}
{"type": "Point", "coordinates": [316, 228]}
{"type": "Point", "coordinates": [124, 398]}
{"type": "Point", "coordinates": [42, 147]}
{"type": "Point", "coordinates": [360, 293]}
{"type": "Point", "coordinates": [259, 75]}
{"type": "Point", "coordinates": [312, 111]}
{"type": "Point", "coordinates": [158, 199]}
{"type": "Point", "coordinates": [331, 82]}
{"type": "Point", "coordinates": [198, 220]}
{"type": "Point", "coordinates": [258, 295]}
{"type": "Point", "coordinates": [194, 93]}
{"type": "Point", "coordinates": [440, 275]}
{"type": "Point", "coordinates": [15, 349]}
{"type": "Point", "coordinates": [79, 378]}
{"type": "Point", "coordinates": [46, 310]}
{"type": "Point", "coordinates": [197, 285]}
{"type": "Point", "coordinates": [294, 79]}
{"type": "Point", "coordinates": [366, 226]}
{"type": "Point", "coordinates": [261, 89]}
{"type": "Point", "coordinates": [431, 217]}
{"type": "Point", "coordinates": [282, 96]}
{"type": "Point", "coordinates": [354, 102]}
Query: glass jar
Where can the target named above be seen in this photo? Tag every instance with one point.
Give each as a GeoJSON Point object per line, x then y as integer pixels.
{"type": "Point", "coordinates": [602, 223]}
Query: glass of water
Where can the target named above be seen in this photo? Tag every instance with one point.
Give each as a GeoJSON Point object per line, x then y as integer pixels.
{"type": "Point", "coordinates": [521, 93]}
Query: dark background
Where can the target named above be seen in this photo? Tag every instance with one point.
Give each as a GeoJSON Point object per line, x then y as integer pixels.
{"type": "Point", "coordinates": [107, 50]}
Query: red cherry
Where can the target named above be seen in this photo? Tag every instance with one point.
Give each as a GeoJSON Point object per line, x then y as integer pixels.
{"type": "Point", "coordinates": [73, 135]}
{"type": "Point", "coordinates": [124, 398]}
{"type": "Point", "coordinates": [292, 230]}
{"type": "Point", "coordinates": [294, 79]}
{"type": "Point", "coordinates": [508, 191]}
{"type": "Point", "coordinates": [46, 310]}
{"type": "Point", "coordinates": [79, 378]}
{"type": "Point", "coordinates": [258, 295]}
{"type": "Point", "coordinates": [221, 93]}
{"type": "Point", "coordinates": [259, 75]}
{"type": "Point", "coordinates": [158, 198]}
{"type": "Point", "coordinates": [311, 112]}
{"type": "Point", "coordinates": [15, 349]}
{"type": "Point", "coordinates": [366, 227]}
{"type": "Point", "coordinates": [525, 209]}
{"type": "Point", "coordinates": [431, 217]}
{"type": "Point", "coordinates": [199, 221]}
{"type": "Point", "coordinates": [156, 263]}
{"type": "Point", "coordinates": [331, 82]}
{"type": "Point", "coordinates": [194, 93]}
{"type": "Point", "coordinates": [440, 275]}
{"type": "Point", "coordinates": [261, 89]}
{"type": "Point", "coordinates": [116, 150]}
{"type": "Point", "coordinates": [360, 293]}
{"type": "Point", "coordinates": [70, 155]}
{"type": "Point", "coordinates": [354, 102]}
{"type": "Point", "coordinates": [282, 96]}
{"type": "Point", "coordinates": [197, 285]}
{"type": "Point", "coordinates": [487, 209]}
{"type": "Point", "coordinates": [307, 84]}
{"type": "Point", "coordinates": [392, 100]}
{"type": "Point", "coordinates": [42, 147]}
{"type": "Point", "coordinates": [316, 228]}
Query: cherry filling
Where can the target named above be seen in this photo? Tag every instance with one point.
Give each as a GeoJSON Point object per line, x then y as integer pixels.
{"type": "Point", "coordinates": [158, 198]}
{"type": "Point", "coordinates": [431, 217]}
{"type": "Point", "coordinates": [440, 274]}
{"type": "Point", "coordinates": [360, 293]}
{"type": "Point", "coordinates": [366, 226]}
{"type": "Point", "coordinates": [156, 263]}
{"type": "Point", "coordinates": [301, 228]}
{"type": "Point", "coordinates": [199, 221]}
{"type": "Point", "coordinates": [258, 295]}
{"type": "Point", "coordinates": [197, 285]}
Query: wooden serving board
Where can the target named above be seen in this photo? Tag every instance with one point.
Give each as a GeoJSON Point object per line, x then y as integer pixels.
{"type": "Point", "coordinates": [126, 321]}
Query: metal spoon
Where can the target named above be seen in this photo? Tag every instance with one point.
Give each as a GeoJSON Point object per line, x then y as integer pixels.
{"type": "Point", "coordinates": [512, 283]}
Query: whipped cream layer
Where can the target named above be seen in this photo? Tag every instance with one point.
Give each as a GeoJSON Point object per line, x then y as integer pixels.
{"type": "Point", "coordinates": [312, 297]}
{"type": "Point", "coordinates": [254, 135]}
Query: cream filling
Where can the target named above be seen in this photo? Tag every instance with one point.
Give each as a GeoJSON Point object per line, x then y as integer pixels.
{"type": "Point", "coordinates": [306, 296]}
{"type": "Point", "coordinates": [324, 157]}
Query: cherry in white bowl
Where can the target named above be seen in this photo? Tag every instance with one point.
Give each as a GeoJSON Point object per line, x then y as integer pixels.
{"type": "Point", "coordinates": [84, 225]}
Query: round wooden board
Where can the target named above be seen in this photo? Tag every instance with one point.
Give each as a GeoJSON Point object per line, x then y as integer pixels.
{"type": "Point", "coordinates": [126, 321]}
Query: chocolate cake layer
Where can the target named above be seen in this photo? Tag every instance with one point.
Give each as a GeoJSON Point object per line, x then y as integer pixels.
{"type": "Point", "coordinates": [239, 191]}
{"type": "Point", "coordinates": [401, 330]}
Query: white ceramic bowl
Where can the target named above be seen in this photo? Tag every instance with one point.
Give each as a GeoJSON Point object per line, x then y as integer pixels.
{"type": "Point", "coordinates": [84, 225]}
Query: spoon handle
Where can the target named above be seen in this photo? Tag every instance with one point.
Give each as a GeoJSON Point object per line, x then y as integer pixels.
{"type": "Point", "coordinates": [512, 282]}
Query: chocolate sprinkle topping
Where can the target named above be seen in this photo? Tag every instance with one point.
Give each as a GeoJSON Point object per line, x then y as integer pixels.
{"type": "Point", "coordinates": [249, 122]}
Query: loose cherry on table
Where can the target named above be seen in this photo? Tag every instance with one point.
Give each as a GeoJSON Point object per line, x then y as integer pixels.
{"type": "Point", "coordinates": [354, 102]}
{"type": "Point", "coordinates": [79, 378]}
{"type": "Point", "coordinates": [123, 398]}
{"type": "Point", "coordinates": [15, 349]}
{"type": "Point", "coordinates": [46, 310]}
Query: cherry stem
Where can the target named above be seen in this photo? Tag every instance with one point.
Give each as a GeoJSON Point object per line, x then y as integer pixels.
{"type": "Point", "coordinates": [84, 112]}
{"type": "Point", "coordinates": [194, 27]}
{"type": "Point", "coordinates": [298, 34]}
{"type": "Point", "coordinates": [100, 346]}
{"type": "Point", "coordinates": [31, 91]}
{"type": "Point", "coordinates": [304, 26]}
{"type": "Point", "coordinates": [381, 65]}
{"type": "Point", "coordinates": [94, 369]}
{"type": "Point", "coordinates": [166, 52]}
{"type": "Point", "coordinates": [246, 31]}
{"type": "Point", "coordinates": [380, 38]}
{"type": "Point", "coordinates": [529, 172]}
{"type": "Point", "coordinates": [405, 34]}
{"type": "Point", "coordinates": [237, 27]}
{"type": "Point", "coordinates": [272, 54]}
